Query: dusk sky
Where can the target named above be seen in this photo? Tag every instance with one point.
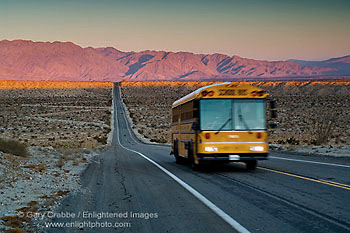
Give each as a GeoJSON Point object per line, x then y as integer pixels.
{"type": "Point", "coordinates": [257, 29]}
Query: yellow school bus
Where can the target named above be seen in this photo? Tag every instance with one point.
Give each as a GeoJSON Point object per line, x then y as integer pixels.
{"type": "Point", "coordinates": [223, 122]}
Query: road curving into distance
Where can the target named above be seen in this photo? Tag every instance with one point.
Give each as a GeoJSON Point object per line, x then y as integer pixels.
{"type": "Point", "coordinates": [287, 193]}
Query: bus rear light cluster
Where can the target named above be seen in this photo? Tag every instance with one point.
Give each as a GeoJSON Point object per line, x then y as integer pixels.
{"type": "Point", "coordinates": [206, 93]}
{"type": "Point", "coordinates": [258, 93]}
{"type": "Point", "coordinates": [207, 135]}
{"type": "Point", "coordinates": [258, 134]}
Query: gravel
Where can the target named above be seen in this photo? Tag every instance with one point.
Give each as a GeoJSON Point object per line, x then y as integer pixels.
{"type": "Point", "coordinates": [40, 180]}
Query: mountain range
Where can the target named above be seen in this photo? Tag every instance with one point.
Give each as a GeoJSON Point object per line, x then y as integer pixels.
{"type": "Point", "coordinates": [28, 60]}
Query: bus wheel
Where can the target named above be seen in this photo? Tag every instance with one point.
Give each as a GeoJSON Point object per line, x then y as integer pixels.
{"type": "Point", "coordinates": [178, 159]}
{"type": "Point", "coordinates": [194, 166]}
{"type": "Point", "coordinates": [251, 165]}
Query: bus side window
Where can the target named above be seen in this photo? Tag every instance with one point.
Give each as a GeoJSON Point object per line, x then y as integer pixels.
{"type": "Point", "coordinates": [196, 109]}
{"type": "Point", "coordinates": [175, 115]}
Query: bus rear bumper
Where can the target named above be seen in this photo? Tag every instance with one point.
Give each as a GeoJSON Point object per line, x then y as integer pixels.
{"type": "Point", "coordinates": [232, 157]}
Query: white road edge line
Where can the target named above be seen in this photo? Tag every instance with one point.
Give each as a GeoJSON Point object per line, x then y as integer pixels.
{"type": "Point", "coordinates": [307, 161]}
{"type": "Point", "coordinates": [124, 115]}
{"type": "Point", "coordinates": [227, 218]}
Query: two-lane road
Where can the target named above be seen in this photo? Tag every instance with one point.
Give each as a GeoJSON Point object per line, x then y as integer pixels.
{"type": "Point", "coordinates": [284, 194]}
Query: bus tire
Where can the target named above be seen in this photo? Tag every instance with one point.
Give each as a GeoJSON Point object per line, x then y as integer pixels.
{"type": "Point", "coordinates": [178, 159]}
{"type": "Point", "coordinates": [194, 166]}
{"type": "Point", "coordinates": [251, 165]}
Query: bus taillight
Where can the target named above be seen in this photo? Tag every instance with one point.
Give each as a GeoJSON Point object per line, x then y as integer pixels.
{"type": "Point", "coordinates": [258, 134]}
{"type": "Point", "coordinates": [211, 93]}
{"type": "Point", "coordinates": [204, 93]}
{"type": "Point", "coordinates": [207, 135]}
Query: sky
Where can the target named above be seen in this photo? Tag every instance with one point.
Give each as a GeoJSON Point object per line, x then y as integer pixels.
{"type": "Point", "coordinates": [256, 29]}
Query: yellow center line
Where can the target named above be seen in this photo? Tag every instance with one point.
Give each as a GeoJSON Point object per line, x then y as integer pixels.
{"type": "Point", "coordinates": [331, 183]}
{"type": "Point", "coordinates": [345, 185]}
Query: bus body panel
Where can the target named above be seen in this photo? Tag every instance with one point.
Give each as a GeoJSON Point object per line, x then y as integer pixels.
{"type": "Point", "coordinates": [233, 141]}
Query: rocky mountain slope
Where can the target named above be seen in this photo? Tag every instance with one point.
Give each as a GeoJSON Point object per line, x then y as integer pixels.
{"type": "Point", "coordinates": [28, 60]}
{"type": "Point", "coordinates": [340, 65]}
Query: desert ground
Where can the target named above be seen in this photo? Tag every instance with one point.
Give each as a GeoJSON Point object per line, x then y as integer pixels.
{"type": "Point", "coordinates": [61, 116]}
{"type": "Point", "coordinates": [309, 113]}
{"type": "Point", "coordinates": [49, 132]}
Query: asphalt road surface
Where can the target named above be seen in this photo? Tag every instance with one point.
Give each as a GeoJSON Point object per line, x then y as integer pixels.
{"type": "Point", "coordinates": [137, 187]}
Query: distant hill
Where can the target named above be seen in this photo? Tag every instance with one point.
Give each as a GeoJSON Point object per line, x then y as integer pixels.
{"type": "Point", "coordinates": [28, 60]}
{"type": "Point", "coordinates": [340, 65]}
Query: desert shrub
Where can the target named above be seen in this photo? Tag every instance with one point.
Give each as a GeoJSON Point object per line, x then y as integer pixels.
{"type": "Point", "coordinates": [162, 140]}
{"type": "Point", "coordinates": [324, 128]}
{"type": "Point", "coordinates": [102, 139]}
{"type": "Point", "coordinates": [13, 147]}
{"type": "Point", "coordinates": [41, 108]}
{"type": "Point", "coordinates": [290, 141]}
{"type": "Point", "coordinates": [60, 163]}
{"type": "Point", "coordinates": [280, 141]}
{"type": "Point", "coordinates": [15, 230]}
